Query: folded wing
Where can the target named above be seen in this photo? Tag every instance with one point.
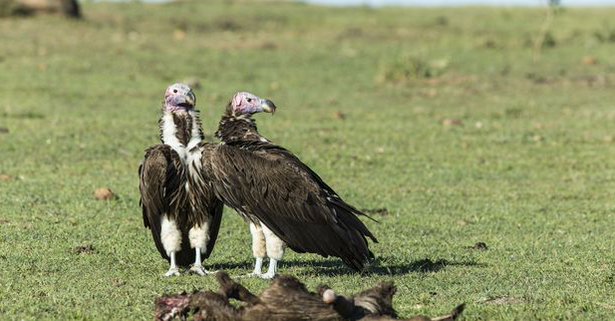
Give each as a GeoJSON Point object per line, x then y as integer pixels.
{"type": "Point", "coordinates": [162, 186]}
{"type": "Point", "coordinates": [270, 183]}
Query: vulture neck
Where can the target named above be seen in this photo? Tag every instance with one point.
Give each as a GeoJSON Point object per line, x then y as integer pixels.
{"type": "Point", "coordinates": [240, 128]}
{"type": "Point", "coordinates": [181, 130]}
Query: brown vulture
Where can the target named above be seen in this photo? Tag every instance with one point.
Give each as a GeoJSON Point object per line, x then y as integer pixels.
{"type": "Point", "coordinates": [178, 205]}
{"type": "Point", "coordinates": [286, 299]}
{"type": "Point", "coordinates": [285, 202]}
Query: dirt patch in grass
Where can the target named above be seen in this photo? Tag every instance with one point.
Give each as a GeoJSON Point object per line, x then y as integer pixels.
{"type": "Point", "coordinates": [84, 249]}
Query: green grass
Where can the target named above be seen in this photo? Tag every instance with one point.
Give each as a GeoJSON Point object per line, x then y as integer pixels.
{"type": "Point", "coordinates": [530, 171]}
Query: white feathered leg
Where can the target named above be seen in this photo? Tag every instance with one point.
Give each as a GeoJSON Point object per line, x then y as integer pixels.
{"type": "Point", "coordinates": [275, 251]}
{"type": "Point", "coordinates": [259, 249]}
{"type": "Point", "coordinates": [171, 239]}
{"type": "Point", "coordinates": [198, 241]}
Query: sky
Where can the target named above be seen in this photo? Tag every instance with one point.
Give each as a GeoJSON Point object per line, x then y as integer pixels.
{"type": "Point", "coordinates": [435, 3]}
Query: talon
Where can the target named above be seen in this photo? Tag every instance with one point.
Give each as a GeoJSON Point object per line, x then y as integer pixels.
{"type": "Point", "coordinates": [267, 276]}
{"type": "Point", "coordinates": [172, 272]}
{"type": "Point", "coordinates": [200, 270]}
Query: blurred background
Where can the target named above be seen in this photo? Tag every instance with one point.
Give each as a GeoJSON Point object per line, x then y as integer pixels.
{"type": "Point", "coordinates": [451, 122]}
{"type": "Point", "coordinates": [438, 3]}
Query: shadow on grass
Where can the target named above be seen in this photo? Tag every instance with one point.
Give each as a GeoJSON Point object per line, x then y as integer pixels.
{"type": "Point", "coordinates": [420, 266]}
{"type": "Point", "coordinates": [335, 267]}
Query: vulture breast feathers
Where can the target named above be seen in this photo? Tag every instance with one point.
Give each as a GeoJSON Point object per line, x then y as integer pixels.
{"type": "Point", "coordinates": [269, 183]}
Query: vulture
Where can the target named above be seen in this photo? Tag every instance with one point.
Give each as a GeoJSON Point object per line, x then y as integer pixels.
{"type": "Point", "coordinates": [285, 202]}
{"type": "Point", "coordinates": [377, 301]}
{"type": "Point", "coordinates": [286, 299]}
{"type": "Point", "coordinates": [178, 205]}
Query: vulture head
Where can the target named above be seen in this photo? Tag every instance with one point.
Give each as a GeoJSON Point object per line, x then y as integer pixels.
{"type": "Point", "coordinates": [377, 301]}
{"type": "Point", "coordinates": [245, 103]}
{"type": "Point", "coordinates": [179, 97]}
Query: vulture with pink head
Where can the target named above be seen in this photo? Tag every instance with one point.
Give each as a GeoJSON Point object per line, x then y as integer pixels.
{"type": "Point", "coordinates": [285, 202]}
{"type": "Point", "coordinates": [185, 179]}
{"type": "Point", "coordinates": [178, 206]}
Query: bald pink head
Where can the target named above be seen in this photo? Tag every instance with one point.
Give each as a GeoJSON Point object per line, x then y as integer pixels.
{"type": "Point", "coordinates": [245, 103]}
{"type": "Point", "coordinates": [179, 97]}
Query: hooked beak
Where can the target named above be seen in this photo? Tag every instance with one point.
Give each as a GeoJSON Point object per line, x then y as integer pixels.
{"type": "Point", "coordinates": [268, 106]}
{"type": "Point", "coordinates": [185, 101]}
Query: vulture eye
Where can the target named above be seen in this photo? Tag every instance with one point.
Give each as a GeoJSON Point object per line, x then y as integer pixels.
{"type": "Point", "coordinates": [175, 91]}
{"type": "Point", "coordinates": [249, 100]}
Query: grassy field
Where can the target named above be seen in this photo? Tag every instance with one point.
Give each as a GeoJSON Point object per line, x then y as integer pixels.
{"type": "Point", "coordinates": [440, 120]}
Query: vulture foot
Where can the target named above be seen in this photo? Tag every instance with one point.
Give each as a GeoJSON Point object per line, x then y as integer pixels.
{"type": "Point", "coordinates": [200, 270]}
{"type": "Point", "coordinates": [267, 276]}
{"type": "Point", "coordinates": [272, 271]}
{"type": "Point", "coordinates": [174, 271]}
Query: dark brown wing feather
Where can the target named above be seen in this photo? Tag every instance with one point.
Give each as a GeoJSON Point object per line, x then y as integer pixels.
{"type": "Point", "coordinates": [214, 226]}
{"type": "Point", "coordinates": [270, 183]}
{"type": "Point", "coordinates": [161, 185]}
{"type": "Point", "coordinates": [161, 176]}
{"type": "Point", "coordinates": [288, 299]}
{"type": "Point", "coordinates": [162, 181]}
{"type": "Point", "coordinates": [206, 207]}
